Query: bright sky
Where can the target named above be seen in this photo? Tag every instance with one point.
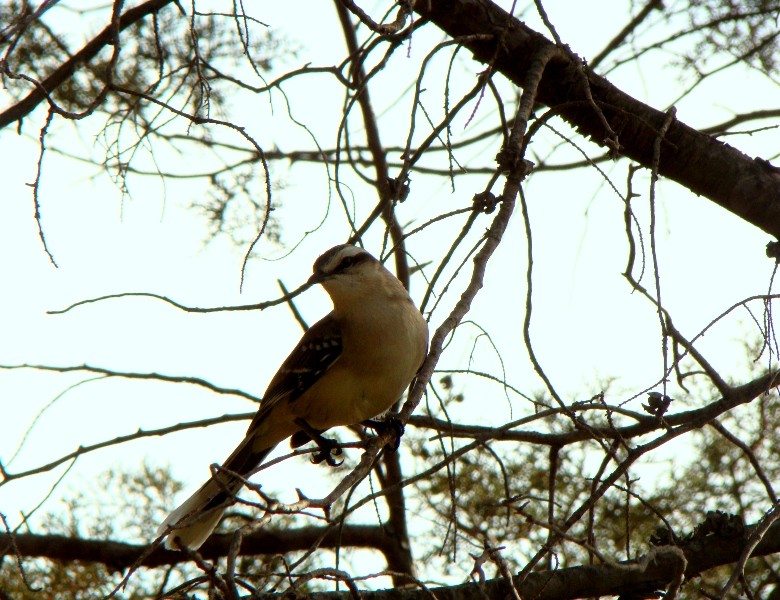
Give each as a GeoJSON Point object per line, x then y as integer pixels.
{"type": "Point", "coordinates": [587, 326]}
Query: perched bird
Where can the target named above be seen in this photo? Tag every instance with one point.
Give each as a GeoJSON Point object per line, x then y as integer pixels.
{"type": "Point", "coordinates": [350, 366]}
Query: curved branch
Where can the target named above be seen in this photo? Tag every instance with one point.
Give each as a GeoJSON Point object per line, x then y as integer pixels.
{"type": "Point", "coordinates": [134, 375]}
{"type": "Point", "coordinates": [141, 433]}
{"type": "Point", "coordinates": [191, 309]}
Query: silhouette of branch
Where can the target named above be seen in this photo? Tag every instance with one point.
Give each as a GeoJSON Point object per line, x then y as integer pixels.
{"type": "Point", "coordinates": [191, 309]}
{"type": "Point", "coordinates": [120, 555]}
{"type": "Point", "coordinates": [698, 417]}
{"type": "Point", "coordinates": [141, 433]}
{"type": "Point", "coordinates": [747, 187]}
{"type": "Point", "coordinates": [652, 571]}
{"type": "Point", "coordinates": [42, 89]}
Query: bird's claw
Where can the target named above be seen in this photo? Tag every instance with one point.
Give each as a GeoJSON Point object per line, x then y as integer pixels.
{"type": "Point", "coordinates": [392, 424]}
{"type": "Point", "coordinates": [328, 448]}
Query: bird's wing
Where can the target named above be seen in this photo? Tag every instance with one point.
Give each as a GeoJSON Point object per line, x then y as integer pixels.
{"type": "Point", "coordinates": [319, 348]}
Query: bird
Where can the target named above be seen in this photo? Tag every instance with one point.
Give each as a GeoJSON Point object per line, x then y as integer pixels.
{"type": "Point", "coordinates": [349, 367]}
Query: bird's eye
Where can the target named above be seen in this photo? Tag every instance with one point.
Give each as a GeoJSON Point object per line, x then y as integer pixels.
{"type": "Point", "coordinates": [346, 262]}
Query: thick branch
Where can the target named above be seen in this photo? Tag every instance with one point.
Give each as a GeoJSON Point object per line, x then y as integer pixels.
{"type": "Point", "coordinates": [750, 188]}
{"type": "Point", "coordinates": [657, 570]}
{"type": "Point", "coordinates": [118, 555]}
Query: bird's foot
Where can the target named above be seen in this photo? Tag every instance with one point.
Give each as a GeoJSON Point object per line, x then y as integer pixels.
{"type": "Point", "coordinates": [328, 447]}
{"type": "Point", "coordinates": [392, 424]}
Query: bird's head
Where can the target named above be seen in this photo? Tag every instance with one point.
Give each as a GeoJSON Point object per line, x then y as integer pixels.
{"type": "Point", "coordinates": [341, 262]}
{"type": "Point", "coordinates": [349, 274]}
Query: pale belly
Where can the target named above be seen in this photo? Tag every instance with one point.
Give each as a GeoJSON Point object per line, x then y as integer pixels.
{"type": "Point", "coordinates": [348, 401]}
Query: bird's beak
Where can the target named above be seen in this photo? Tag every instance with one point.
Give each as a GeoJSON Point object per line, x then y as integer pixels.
{"type": "Point", "coordinates": [316, 277]}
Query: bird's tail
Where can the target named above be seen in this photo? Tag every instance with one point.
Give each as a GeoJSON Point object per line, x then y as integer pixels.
{"type": "Point", "coordinates": [192, 522]}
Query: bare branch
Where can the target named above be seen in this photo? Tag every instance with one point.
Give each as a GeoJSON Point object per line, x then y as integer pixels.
{"type": "Point", "coordinates": [43, 89]}
{"type": "Point", "coordinates": [624, 33]}
{"type": "Point", "coordinates": [141, 433]}
{"type": "Point", "coordinates": [190, 309]}
{"type": "Point", "coordinates": [749, 188]}
{"type": "Point", "coordinates": [661, 565]}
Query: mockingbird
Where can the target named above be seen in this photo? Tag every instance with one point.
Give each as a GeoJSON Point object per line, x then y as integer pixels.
{"type": "Point", "coordinates": [349, 367]}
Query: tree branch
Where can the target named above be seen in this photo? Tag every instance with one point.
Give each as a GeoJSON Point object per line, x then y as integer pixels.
{"type": "Point", "coordinates": [651, 571]}
{"type": "Point", "coordinates": [24, 107]}
{"type": "Point", "coordinates": [119, 555]}
{"type": "Point", "coordinates": [696, 418]}
{"type": "Point", "coordinates": [749, 188]}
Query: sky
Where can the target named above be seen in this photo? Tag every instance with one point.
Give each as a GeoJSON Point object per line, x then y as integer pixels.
{"type": "Point", "coordinates": [587, 327]}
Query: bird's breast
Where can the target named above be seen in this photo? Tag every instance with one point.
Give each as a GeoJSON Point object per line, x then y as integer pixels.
{"type": "Point", "coordinates": [380, 357]}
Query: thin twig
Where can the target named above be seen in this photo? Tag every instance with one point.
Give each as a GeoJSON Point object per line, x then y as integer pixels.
{"type": "Point", "coordinates": [189, 309]}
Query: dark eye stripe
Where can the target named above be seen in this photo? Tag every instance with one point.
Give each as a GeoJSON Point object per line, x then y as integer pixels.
{"type": "Point", "coordinates": [349, 261]}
